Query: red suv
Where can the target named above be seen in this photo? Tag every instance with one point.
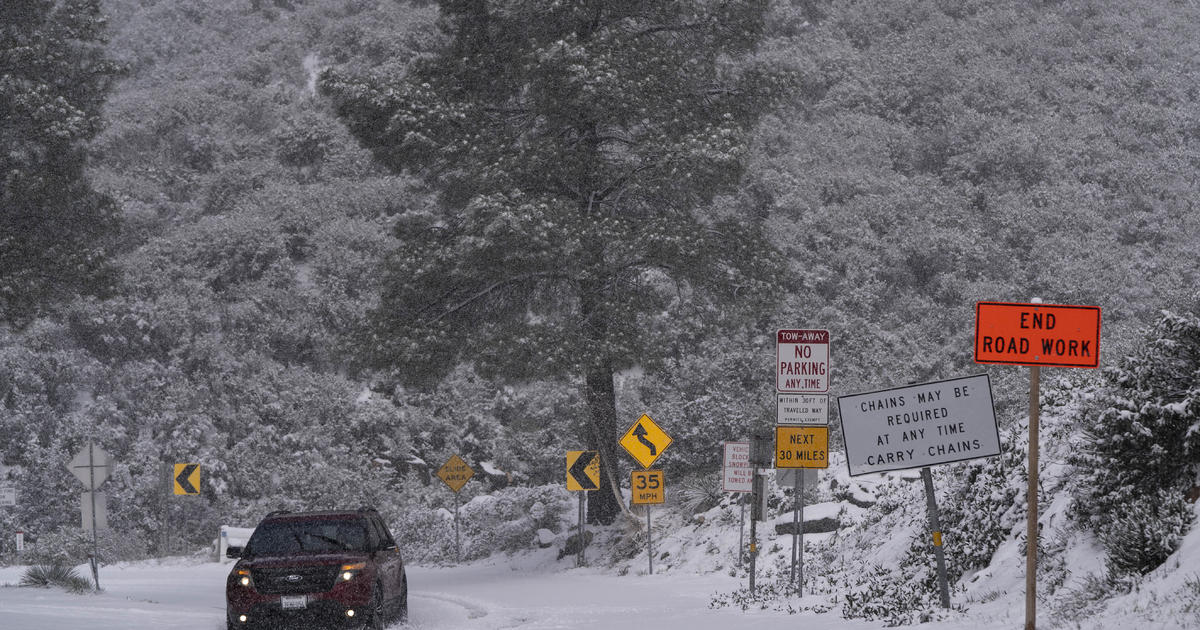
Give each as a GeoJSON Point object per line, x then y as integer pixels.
{"type": "Point", "coordinates": [305, 569]}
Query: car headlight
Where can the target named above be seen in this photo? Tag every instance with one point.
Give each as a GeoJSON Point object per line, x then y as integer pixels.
{"type": "Point", "coordinates": [349, 571]}
{"type": "Point", "coordinates": [243, 577]}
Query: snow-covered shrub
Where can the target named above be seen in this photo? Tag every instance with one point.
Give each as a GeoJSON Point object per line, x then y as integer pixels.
{"type": "Point", "coordinates": [700, 493]}
{"type": "Point", "coordinates": [1146, 531]}
{"type": "Point", "coordinates": [506, 520]}
{"type": "Point", "coordinates": [72, 545]}
{"type": "Point", "coordinates": [45, 575]}
{"type": "Point", "coordinates": [984, 500]}
{"type": "Point", "coordinates": [1082, 601]}
{"type": "Point", "coordinates": [424, 535]}
{"type": "Point", "coordinates": [904, 595]}
{"type": "Point", "coordinates": [882, 594]}
{"type": "Point", "coordinates": [1142, 445]}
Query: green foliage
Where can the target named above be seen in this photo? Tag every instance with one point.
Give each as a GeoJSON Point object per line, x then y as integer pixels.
{"type": "Point", "coordinates": [55, 229]}
{"type": "Point", "coordinates": [571, 171]}
{"type": "Point", "coordinates": [1142, 448]}
{"type": "Point", "coordinates": [72, 546]}
{"type": "Point", "coordinates": [984, 501]}
{"type": "Point", "coordinates": [503, 521]}
{"type": "Point", "coordinates": [1143, 438]}
{"type": "Point", "coordinates": [575, 149]}
{"type": "Point", "coordinates": [1145, 532]}
{"type": "Point", "coordinates": [940, 153]}
{"type": "Point", "coordinates": [55, 575]}
{"type": "Point", "coordinates": [896, 598]}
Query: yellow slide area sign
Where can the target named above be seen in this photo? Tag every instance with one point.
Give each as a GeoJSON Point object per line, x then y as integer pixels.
{"type": "Point", "coordinates": [187, 478]}
{"type": "Point", "coordinates": [647, 486]}
{"type": "Point", "coordinates": [801, 447]}
{"type": "Point", "coordinates": [455, 473]}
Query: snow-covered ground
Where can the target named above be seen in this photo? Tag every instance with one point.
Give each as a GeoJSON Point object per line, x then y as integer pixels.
{"type": "Point", "coordinates": [535, 592]}
{"type": "Point", "coordinates": [183, 594]}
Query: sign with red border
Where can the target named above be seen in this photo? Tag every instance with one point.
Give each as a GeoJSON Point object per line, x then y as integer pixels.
{"type": "Point", "coordinates": [802, 361]}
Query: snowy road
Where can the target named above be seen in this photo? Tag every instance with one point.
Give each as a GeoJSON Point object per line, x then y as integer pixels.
{"type": "Point", "coordinates": [188, 595]}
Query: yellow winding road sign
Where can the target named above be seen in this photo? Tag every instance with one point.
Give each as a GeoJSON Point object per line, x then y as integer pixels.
{"type": "Point", "coordinates": [645, 441]}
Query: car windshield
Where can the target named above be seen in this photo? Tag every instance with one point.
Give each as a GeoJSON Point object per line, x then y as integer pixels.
{"type": "Point", "coordinates": [323, 536]}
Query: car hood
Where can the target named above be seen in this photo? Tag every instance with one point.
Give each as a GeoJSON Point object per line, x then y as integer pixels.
{"type": "Point", "coordinates": [307, 560]}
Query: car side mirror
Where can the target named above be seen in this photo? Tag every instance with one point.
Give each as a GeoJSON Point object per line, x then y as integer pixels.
{"type": "Point", "coordinates": [233, 551]}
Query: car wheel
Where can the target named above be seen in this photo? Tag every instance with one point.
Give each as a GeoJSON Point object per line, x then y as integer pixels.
{"type": "Point", "coordinates": [402, 612]}
{"type": "Point", "coordinates": [375, 609]}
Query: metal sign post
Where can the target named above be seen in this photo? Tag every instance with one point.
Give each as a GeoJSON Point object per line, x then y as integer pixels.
{"type": "Point", "coordinates": [92, 496]}
{"type": "Point", "coordinates": [798, 536]}
{"type": "Point", "coordinates": [581, 559]}
{"type": "Point", "coordinates": [737, 476]}
{"type": "Point", "coordinates": [1031, 531]}
{"type": "Point", "coordinates": [455, 473]}
{"type": "Point", "coordinates": [583, 476]}
{"type": "Point", "coordinates": [1036, 334]}
{"type": "Point", "coordinates": [741, 531]}
{"type": "Point", "coordinates": [761, 455]}
{"type": "Point", "coordinates": [935, 526]}
{"type": "Point", "coordinates": [648, 487]}
{"type": "Point", "coordinates": [91, 467]}
{"type": "Point", "coordinates": [755, 497]}
{"type": "Point", "coordinates": [649, 542]}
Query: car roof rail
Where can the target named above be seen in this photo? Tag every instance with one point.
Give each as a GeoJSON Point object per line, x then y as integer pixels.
{"type": "Point", "coordinates": [367, 508]}
{"type": "Point", "coordinates": [277, 513]}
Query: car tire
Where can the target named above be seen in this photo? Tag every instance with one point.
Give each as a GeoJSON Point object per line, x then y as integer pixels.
{"type": "Point", "coordinates": [402, 610]}
{"type": "Point", "coordinates": [376, 609]}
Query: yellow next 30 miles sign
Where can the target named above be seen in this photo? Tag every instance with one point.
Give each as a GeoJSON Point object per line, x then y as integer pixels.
{"type": "Point", "coordinates": [801, 447]}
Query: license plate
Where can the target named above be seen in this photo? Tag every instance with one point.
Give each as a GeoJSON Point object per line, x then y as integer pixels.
{"type": "Point", "coordinates": [293, 602]}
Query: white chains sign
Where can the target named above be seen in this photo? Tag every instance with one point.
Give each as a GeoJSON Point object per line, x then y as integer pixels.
{"type": "Point", "coordinates": [919, 425]}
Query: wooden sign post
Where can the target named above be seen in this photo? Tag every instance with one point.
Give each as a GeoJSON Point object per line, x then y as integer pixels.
{"type": "Point", "coordinates": [1036, 334]}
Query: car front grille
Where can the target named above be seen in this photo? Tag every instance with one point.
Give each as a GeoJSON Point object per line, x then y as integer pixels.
{"type": "Point", "coordinates": [294, 580]}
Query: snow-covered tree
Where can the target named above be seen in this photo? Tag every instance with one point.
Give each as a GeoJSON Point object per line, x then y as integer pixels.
{"type": "Point", "coordinates": [573, 146]}
{"type": "Point", "coordinates": [54, 228]}
{"type": "Point", "coordinates": [1141, 451]}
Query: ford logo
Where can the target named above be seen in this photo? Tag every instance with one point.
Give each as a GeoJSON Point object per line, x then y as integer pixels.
{"type": "Point", "coordinates": [293, 578]}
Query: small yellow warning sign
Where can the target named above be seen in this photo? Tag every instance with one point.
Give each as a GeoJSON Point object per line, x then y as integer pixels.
{"type": "Point", "coordinates": [801, 447]}
{"type": "Point", "coordinates": [647, 486]}
{"type": "Point", "coordinates": [645, 441]}
{"type": "Point", "coordinates": [455, 473]}
{"type": "Point", "coordinates": [187, 478]}
{"type": "Point", "coordinates": [583, 470]}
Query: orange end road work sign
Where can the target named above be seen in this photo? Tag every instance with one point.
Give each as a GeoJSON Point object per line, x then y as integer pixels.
{"type": "Point", "coordinates": [1037, 334]}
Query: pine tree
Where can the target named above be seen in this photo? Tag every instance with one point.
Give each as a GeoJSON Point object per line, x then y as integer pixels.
{"type": "Point", "coordinates": [573, 146]}
{"type": "Point", "coordinates": [1141, 452]}
{"type": "Point", "coordinates": [53, 80]}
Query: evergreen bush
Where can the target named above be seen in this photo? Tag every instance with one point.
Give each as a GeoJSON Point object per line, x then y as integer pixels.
{"type": "Point", "coordinates": [1146, 532]}
{"type": "Point", "coordinates": [1142, 448]}
{"type": "Point", "coordinates": [984, 501]}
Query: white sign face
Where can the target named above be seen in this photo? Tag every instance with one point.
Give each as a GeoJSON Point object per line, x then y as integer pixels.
{"type": "Point", "coordinates": [736, 473]}
{"type": "Point", "coordinates": [802, 361]}
{"type": "Point", "coordinates": [85, 510]}
{"type": "Point", "coordinates": [8, 496]}
{"type": "Point", "coordinates": [802, 409]}
{"type": "Point", "coordinates": [789, 476]}
{"type": "Point", "coordinates": [91, 469]}
{"type": "Point", "coordinates": [919, 425]}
